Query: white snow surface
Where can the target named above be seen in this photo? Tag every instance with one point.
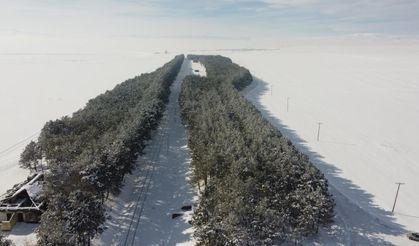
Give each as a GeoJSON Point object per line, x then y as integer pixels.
{"type": "Point", "coordinates": [198, 69]}
{"type": "Point", "coordinates": [367, 99]}
{"type": "Point", "coordinates": [366, 96]}
{"type": "Point", "coordinates": [23, 234]}
{"type": "Point", "coordinates": [34, 187]}
{"type": "Point", "coordinates": [158, 187]}
{"type": "Point", "coordinates": [38, 87]}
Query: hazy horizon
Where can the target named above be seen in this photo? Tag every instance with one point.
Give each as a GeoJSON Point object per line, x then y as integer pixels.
{"type": "Point", "coordinates": [180, 26]}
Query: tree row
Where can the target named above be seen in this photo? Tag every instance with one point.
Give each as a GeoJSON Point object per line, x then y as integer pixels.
{"type": "Point", "coordinates": [256, 187]}
{"type": "Point", "coordinates": [88, 153]}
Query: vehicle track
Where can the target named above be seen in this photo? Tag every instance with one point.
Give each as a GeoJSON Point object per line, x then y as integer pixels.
{"type": "Point", "coordinates": [142, 196]}
{"type": "Point", "coordinates": [154, 160]}
{"type": "Point", "coordinates": [160, 146]}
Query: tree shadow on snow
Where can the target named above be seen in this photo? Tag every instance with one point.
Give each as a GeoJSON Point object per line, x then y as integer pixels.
{"type": "Point", "coordinates": [157, 188]}
{"type": "Point", "coordinates": [358, 221]}
{"type": "Point", "coordinates": [169, 191]}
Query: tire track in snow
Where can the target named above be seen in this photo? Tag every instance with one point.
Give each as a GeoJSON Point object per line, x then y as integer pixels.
{"type": "Point", "coordinates": [161, 146]}
{"type": "Point", "coordinates": [142, 190]}
{"type": "Point", "coordinates": [154, 160]}
{"type": "Point", "coordinates": [142, 196]}
{"type": "Point", "coordinates": [141, 212]}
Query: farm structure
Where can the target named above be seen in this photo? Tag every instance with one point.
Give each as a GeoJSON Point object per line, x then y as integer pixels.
{"type": "Point", "coordinates": [23, 203]}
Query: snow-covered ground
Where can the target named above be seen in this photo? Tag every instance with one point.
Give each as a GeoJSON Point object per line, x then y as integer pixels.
{"type": "Point", "coordinates": [367, 99]}
{"type": "Point", "coordinates": [198, 69]}
{"type": "Point", "coordinates": [36, 88]}
{"type": "Point", "coordinates": [23, 234]}
{"type": "Point", "coordinates": [159, 187]}
{"type": "Point", "coordinates": [366, 95]}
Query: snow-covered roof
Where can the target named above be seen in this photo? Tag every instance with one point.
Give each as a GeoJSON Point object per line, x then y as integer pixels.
{"type": "Point", "coordinates": [33, 187]}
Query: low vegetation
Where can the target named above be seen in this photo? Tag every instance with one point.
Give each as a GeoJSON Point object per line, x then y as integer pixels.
{"type": "Point", "coordinates": [4, 241]}
{"type": "Point", "coordinates": [89, 153]}
{"type": "Point", "coordinates": [257, 188]}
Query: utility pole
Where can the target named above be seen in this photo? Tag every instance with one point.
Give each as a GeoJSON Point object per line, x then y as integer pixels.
{"type": "Point", "coordinates": [318, 131]}
{"type": "Point", "coordinates": [397, 194]}
{"type": "Point", "coordinates": [271, 90]}
{"type": "Point", "coordinates": [288, 104]}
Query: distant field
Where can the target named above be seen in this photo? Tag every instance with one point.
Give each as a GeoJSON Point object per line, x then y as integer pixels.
{"type": "Point", "coordinates": [36, 88]}
{"type": "Point", "coordinates": [367, 99]}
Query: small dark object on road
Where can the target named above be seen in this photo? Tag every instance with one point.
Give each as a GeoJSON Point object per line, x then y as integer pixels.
{"type": "Point", "coordinates": [187, 208]}
{"type": "Point", "coordinates": [196, 71]}
{"type": "Point", "coordinates": [175, 215]}
{"type": "Point", "coordinates": [413, 236]}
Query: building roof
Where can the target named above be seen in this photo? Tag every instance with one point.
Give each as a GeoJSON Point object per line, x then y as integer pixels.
{"type": "Point", "coordinates": [33, 187]}
{"type": "Point", "coordinates": [25, 195]}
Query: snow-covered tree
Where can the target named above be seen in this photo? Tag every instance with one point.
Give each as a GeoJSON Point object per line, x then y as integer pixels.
{"type": "Point", "coordinates": [83, 214]}
{"type": "Point", "coordinates": [89, 153]}
{"type": "Point", "coordinates": [258, 188]}
{"type": "Point", "coordinates": [31, 156]}
{"type": "Point", "coordinates": [4, 241]}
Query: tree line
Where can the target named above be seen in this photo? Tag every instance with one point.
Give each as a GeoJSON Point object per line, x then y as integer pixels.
{"type": "Point", "coordinates": [88, 154]}
{"type": "Point", "coordinates": [256, 187]}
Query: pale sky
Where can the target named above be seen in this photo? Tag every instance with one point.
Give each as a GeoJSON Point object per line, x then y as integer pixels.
{"type": "Point", "coordinates": [56, 25]}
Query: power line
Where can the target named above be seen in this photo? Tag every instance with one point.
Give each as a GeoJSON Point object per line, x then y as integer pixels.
{"type": "Point", "coordinates": [14, 146]}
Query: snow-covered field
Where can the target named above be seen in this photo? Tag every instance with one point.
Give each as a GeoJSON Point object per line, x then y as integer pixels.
{"type": "Point", "coordinates": [367, 99]}
{"type": "Point", "coordinates": [36, 88]}
{"type": "Point", "coordinates": [366, 96]}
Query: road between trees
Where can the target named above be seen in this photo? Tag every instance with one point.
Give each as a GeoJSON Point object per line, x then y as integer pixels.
{"type": "Point", "coordinates": [159, 187]}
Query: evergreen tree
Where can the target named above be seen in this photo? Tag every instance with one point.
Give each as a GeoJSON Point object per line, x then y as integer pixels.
{"type": "Point", "coordinates": [89, 153]}
{"type": "Point", "coordinates": [257, 187]}
{"type": "Point", "coordinates": [31, 156]}
{"type": "Point", "coordinates": [84, 213]}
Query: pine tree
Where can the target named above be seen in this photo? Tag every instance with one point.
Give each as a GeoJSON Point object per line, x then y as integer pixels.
{"type": "Point", "coordinates": [84, 213]}
{"type": "Point", "coordinates": [31, 156]}
{"type": "Point", "coordinates": [259, 189]}
{"type": "Point", "coordinates": [89, 153]}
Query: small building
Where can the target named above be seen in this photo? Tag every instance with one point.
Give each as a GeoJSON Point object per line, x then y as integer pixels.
{"type": "Point", "coordinates": [23, 203]}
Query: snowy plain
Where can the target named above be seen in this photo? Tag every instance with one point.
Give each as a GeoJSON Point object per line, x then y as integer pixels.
{"type": "Point", "coordinates": [365, 94]}
{"type": "Point", "coordinates": [367, 100]}
{"type": "Point", "coordinates": [38, 87]}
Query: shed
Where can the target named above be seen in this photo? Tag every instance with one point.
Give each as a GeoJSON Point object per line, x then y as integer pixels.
{"type": "Point", "coordinates": [24, 202]}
